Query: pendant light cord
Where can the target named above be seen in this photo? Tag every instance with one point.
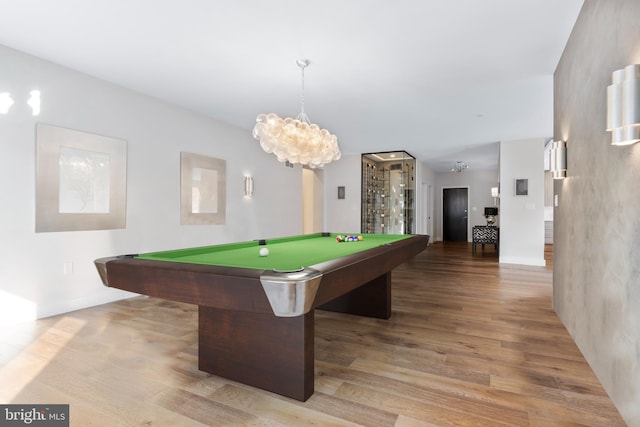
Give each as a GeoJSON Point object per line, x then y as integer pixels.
{"type": "Point", "coordinates": [302, 63]}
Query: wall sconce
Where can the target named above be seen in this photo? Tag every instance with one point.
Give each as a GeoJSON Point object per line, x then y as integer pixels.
{"type": "Point", "coordinates": [558, 159]}
{"type": "Point", "coordinates": [5, 102]}
{"type": "Point", "coordinates": [248, 186]}
{"type": "Point", "coordinates": [623, 106]}
{"type": "Point", "coordinates": [34, 102]}
{"type": "Point", "coordinates": [495, 194]}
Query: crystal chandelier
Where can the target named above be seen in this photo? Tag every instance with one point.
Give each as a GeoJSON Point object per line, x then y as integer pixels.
{"type": "Point", "coordinates": [460, 167]}
{"type": "Point", "coordinates": [296, 140]}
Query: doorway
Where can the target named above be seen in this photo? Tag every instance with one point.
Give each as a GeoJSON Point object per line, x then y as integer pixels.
{"type": "Point", "coordinates": [455, 213]}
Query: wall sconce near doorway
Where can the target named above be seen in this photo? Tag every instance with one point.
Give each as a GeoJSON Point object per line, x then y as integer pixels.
{"type": "Point", "coordinates": [558, 159]}
{"type": "Point", "coordinates": [623, 106]}
{"type": "Point", "coordinates": [248, 186]}
{"type": "Point", "coordinates": [495, 193]}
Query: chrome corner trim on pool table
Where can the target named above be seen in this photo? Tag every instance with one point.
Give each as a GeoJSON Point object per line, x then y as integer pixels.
{"type": "Point", "coordinates": [291, 293]}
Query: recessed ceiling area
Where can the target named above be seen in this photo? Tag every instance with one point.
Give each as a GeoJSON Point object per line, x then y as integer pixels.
{"type": "Point", "coordinates": [443, 80]}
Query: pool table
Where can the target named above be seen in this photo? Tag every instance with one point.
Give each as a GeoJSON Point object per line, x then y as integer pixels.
{"type": "Point", "coordinates": [256, 313]}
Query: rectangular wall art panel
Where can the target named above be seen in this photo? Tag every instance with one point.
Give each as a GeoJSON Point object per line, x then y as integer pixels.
{"type": "Point", "coordinates": [203, 189]}
{"type": "Point", "coordinates": [81, 180]}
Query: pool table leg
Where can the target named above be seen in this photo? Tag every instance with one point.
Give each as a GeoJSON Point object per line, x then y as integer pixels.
{"type": "Point", "coordinates": [261, 350]}
{"type": "Point", "coordinates": [373, 299]}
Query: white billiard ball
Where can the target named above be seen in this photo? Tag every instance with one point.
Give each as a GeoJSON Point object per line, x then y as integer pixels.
{"type": "Point", "coordinates": [264, 252]}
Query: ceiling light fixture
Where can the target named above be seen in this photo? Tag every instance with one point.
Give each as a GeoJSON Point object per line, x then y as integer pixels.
{"type": "Point", "coordinates": [460, 167]}
{"type": "Point", "coordinates": [296, 140]}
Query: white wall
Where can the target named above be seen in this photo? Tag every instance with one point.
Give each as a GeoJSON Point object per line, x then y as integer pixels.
{"type": "Point", "coordinates": [343, 215]}
{"type": "Point", "coordinates": [479, 184]}
{"type": "Point", "coordinates": [425, 180]}
{"type": "Point", "coordinates": [32, 280]}
{"type": "Point", "coordinates": [522, 217]}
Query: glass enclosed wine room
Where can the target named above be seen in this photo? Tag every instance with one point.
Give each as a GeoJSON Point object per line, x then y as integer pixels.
{"type": "Point", "coordinates": [388, 193]}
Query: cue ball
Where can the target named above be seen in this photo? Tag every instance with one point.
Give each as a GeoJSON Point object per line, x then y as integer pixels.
{"type": "Point", "coordinates": [264, 252]}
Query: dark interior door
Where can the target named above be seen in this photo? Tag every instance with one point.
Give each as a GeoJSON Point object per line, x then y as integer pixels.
{"type": "Point", "coordinates": [454, 214]}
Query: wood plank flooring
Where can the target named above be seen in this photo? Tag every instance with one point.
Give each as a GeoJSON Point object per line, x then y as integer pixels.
{"type": "Point", "coordinates": [470, 343]}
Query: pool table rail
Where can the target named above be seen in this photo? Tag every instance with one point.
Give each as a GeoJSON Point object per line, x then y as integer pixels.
{"type": "Point", "coordinates": [217, 287]}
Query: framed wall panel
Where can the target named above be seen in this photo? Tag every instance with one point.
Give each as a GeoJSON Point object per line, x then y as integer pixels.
{"type": "Point", "coordinates": [203, 189]}
{"type": "Point", "coordinates": [81, 180]}
{"type": "Point", "coordinates": [521, 186]}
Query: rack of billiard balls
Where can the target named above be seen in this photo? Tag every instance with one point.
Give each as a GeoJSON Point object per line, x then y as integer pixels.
{"type": "Point", "coordinates": [353, 238]}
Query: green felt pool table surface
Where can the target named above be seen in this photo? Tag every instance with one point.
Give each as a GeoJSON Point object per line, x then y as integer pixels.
{"type": "Point", "coordinates": [286, 253]}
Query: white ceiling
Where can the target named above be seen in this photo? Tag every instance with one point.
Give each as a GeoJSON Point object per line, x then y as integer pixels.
{"type": "Point", "coordinates": [444, 80]}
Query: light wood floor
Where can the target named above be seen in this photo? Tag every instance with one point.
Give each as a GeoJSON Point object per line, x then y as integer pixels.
{"type": "Point", "coordinates": [470, 343]}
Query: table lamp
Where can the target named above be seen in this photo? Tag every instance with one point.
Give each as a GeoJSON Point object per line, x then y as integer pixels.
{"type": "Point", "coordinates": [490, 214]}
